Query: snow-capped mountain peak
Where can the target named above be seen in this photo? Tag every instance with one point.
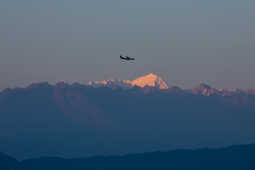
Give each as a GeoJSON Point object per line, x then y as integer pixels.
{"type": "Point", "coordinates": [149, 80]}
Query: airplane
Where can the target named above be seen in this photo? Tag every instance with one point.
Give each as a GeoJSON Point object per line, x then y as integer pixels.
{"type": "Point", "coordinates": [126, 58]}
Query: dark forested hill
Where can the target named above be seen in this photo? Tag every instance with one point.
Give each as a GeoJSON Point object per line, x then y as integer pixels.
{"type": "Point", "coordinates": [239, 157]}
{"type": "Point", "coordinates": [8, 163]}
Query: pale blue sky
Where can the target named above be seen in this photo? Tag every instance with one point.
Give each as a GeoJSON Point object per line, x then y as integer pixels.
{"type": "Point", "coordinates": [184, 41]}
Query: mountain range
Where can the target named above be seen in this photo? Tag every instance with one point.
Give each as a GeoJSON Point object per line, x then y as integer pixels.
{"type": "Point", "coordinates": [154, 81]}
{"type": "Point", "coordinates": [150, 80]}
{"type": "Point", "coordinates": [121, 116]}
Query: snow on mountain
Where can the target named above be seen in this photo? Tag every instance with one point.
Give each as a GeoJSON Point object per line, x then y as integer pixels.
{"type": "Point", "coordinates": [150, 80]}
{"type": "Point", "coordinates": [111, 83]}
{"type": "Point", "coordinates": [157, 82]}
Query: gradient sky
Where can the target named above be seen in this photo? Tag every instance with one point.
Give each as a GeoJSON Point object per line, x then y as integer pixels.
{"type": "Point", "coordinates": [184, 41]}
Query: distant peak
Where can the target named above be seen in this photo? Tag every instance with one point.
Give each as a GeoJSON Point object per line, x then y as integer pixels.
{"type": "Point", "coordinates": [151, 75]}
{"type": "Point", "coordinates": [150, 80]}
{"type": "Point", "coordinates": [205, 89]}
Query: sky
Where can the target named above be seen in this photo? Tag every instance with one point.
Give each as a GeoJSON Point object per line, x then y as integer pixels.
{"type": "Point", "coordinates": [184, 41]}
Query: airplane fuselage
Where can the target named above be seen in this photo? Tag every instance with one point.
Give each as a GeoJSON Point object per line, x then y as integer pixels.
{"type": "Point", "coordinates": [126, 58]}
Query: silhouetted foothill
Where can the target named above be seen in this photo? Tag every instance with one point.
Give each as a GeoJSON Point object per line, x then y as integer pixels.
{"type": "Point", "coordinates": [240, 157]}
